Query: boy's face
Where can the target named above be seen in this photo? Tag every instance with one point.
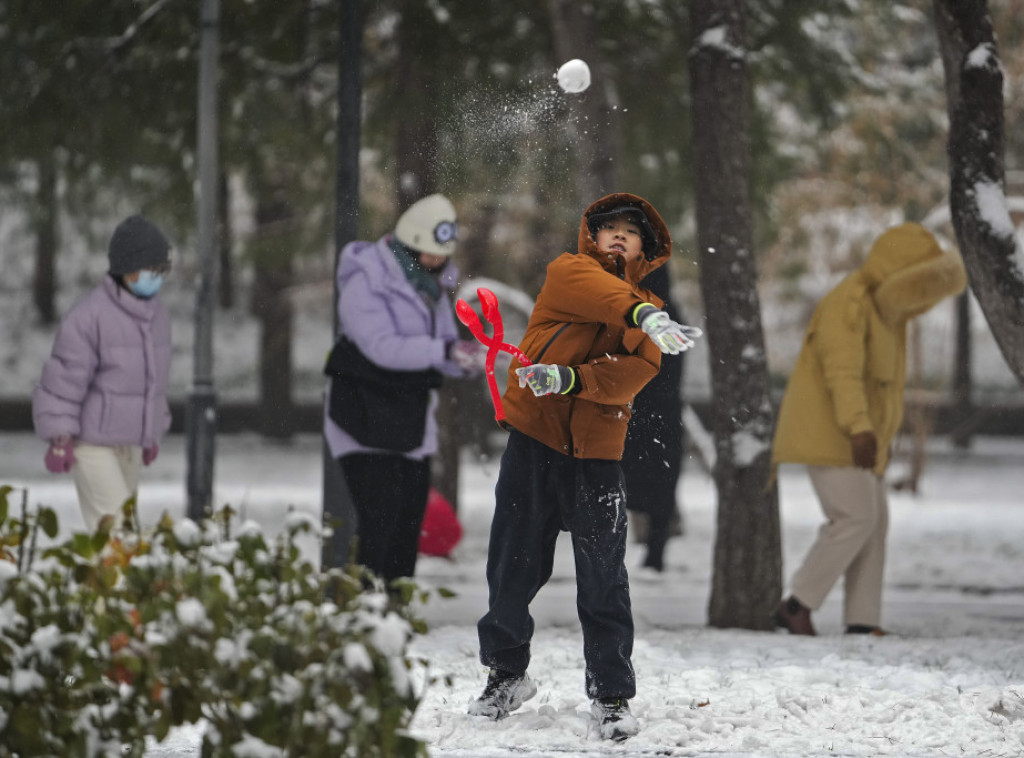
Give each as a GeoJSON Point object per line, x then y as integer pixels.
{"type": "Point", "coordinates": [620, 236]}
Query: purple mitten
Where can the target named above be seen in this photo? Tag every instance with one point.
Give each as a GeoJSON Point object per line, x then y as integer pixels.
{"type": "Point", "coordinates": [150, 453]}
{"type": "Point", "coordinates": [60, 456]}
{"type": "Point", "coordinates": [468, 355]}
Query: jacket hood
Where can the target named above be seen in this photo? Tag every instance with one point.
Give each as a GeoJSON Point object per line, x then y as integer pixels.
{"type": "Point", "coordinates": [909, 272]}
{"type": "Point", "coordinates": [896, 249]}
{"type": "Point", "coordinates": [641, 267]}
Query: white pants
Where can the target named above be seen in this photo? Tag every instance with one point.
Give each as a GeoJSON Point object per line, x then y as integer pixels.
{"type": "Point", "coordinates": [850, 544]}
{"type": "Point", "coordinates": [105, 477]}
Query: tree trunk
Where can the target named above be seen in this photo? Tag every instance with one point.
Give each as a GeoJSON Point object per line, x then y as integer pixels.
{"type": "Point", "coordinates": [417, 154]}
{"type": "Point", "coordinates": [746, 583]}
{"type": "Point", "coordinates": [338, 509]}
{"type": "Point", "coordinates": [46, 215]}
{"type": "Point", "coordinates": [981, 217]}
{"type": "Point", "coordinates": [593, 130]}
{"type": "Point", "coordinates": [416, 144]}
{"type": "Point", "coordinates": [271, 304]}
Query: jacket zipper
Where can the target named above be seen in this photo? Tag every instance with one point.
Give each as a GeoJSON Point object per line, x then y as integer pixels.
{"type": "Point", "coordinates": [548, 344]}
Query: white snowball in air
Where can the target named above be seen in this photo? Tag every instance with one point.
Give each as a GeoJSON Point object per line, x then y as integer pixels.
{"type": "Point", "coordinates": [574, 75]}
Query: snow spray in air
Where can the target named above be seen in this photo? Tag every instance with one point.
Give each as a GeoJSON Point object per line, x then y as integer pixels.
{"type": "Point", "coordinates": [499, 126]}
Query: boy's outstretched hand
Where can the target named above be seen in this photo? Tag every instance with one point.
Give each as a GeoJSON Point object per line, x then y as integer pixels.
{"type": "Point", "coordinates": [669, 336]}
{"type": "Point", "coordinates": [546, 378]}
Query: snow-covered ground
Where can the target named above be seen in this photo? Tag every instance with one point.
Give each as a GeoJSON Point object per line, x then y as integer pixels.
{"type": "Point", "coordinates": [950, 682]}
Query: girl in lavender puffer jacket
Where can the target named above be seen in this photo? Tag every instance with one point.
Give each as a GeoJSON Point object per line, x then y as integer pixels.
{"type": "Point", "coordinates": [102, 400]}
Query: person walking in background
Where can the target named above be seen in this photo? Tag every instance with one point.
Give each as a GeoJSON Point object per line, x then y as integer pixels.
{"type": "Point", "coordinates": [101, 402]}
{"type": "Point", "coordinates": [842, 408]}
{"type": "Point", "coordinates": [595, 338]}
{"type": "Point", "coordinates": [652, 460]}
{"type": "Point", "coordinates": [398, 338]}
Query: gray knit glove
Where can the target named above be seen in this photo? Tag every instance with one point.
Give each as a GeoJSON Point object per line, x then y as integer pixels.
{"type": "Point", "coordinates": [669, 336]}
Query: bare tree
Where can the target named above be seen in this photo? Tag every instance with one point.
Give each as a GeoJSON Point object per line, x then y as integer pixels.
{"type": "Point", "coordinates": [746, 582]}
{"type": "Point", "coordinates": [981, 217]}
{"type": "Point", "coordinates": [45, 218]}
{"type": "Point", "coordinates": [416, 143]}
{"type": "Point", "coordinates": [271, 304]}
{"type": "Point", "coordinates": [420, 38]}
{"type": "Point", "coordinates": [339, 511]}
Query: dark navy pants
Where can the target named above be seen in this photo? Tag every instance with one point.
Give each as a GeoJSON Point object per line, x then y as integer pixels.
{"type": "Point", "coordinates": [540, 492]}
{"type": "Point", "coordinates": [390, 497]}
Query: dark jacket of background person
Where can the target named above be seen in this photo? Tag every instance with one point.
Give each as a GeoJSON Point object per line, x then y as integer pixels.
{"type": "Point", "coordinates": [652, 460]}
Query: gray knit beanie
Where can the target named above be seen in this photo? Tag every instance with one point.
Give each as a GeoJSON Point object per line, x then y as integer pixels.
{"type": "Point", "coordinates": [136, 244]}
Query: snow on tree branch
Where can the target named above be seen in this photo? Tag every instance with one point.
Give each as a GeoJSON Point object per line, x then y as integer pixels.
{"type": "Point", "coordinates": [993, 209]}
{"type": "Point", "coordinates": [717, 38]}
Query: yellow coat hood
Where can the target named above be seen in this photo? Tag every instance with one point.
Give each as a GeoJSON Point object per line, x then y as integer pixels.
{"type": "Point", "coordinates": [908, 272]}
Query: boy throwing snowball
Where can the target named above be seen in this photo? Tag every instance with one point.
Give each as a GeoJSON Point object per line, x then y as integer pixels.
{"type": "Point", "coordinates": [595, 338]}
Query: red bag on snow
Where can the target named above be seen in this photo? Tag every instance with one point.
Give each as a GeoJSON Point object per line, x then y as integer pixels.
{"type": "Point", "coordinates": [441, 530]}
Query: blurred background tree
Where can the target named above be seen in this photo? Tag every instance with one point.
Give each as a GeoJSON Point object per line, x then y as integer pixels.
{"type": "Point", "coordinates": [847, 131]}
{"type": "Point", "coordinates": [846, 123]}
{"type": "Point", "coordinates": [748, 548]}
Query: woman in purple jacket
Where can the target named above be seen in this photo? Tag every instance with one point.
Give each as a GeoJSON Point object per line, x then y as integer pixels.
{"type": "Point", "coordinates": [394, 306]}
{"type": "Point", "coordinates": [102, 400]}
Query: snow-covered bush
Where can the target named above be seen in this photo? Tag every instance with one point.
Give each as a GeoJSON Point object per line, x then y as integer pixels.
{"type": "Point", "coordinates": [107, 639]}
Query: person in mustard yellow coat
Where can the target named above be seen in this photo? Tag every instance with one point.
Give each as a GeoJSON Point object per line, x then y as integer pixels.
{"type": "Point", "coordinates": [842, 408]}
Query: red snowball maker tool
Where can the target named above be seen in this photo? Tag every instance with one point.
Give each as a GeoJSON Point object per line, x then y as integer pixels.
{"type": "Point", "coordinates": [494, 344]}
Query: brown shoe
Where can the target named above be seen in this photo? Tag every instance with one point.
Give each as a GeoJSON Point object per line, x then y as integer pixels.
{"type": "Point", "coordinates": [795, 616]}
{"type": "Point", "coordinates": [875, 631]}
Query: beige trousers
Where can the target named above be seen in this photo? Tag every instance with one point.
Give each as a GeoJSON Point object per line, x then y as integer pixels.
{"type": "Point", "coordinates": [850, 544]}
{"type": "Point", "coordinates": [105, 477]}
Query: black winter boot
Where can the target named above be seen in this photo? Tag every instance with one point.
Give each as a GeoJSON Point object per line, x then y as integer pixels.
{"type": "Point", "coordinates": [876, 631]}
{"type": "Point", "coordinates": [794, 616]}
{"type": "Point", "coordinates": [614, 718]}
{"type": "Point", "coordinates": [503, 693]}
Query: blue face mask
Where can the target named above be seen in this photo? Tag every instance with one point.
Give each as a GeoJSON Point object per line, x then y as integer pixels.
{"type": "Point", "coordinates": [147, 285]}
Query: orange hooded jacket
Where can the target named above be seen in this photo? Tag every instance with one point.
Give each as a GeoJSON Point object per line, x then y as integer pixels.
{"type": "Point", "coordinates": [580, 320]}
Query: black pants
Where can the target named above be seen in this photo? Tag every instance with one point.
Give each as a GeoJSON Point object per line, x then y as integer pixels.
{"type": "Point", "coordinates": [540, 492]}
{"type": "Point", "coordinates": [652, 460]}
{"type": "Point", "coordinates": [652, 490]}
{"type": "Point", "coordinates": [390, 496]}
